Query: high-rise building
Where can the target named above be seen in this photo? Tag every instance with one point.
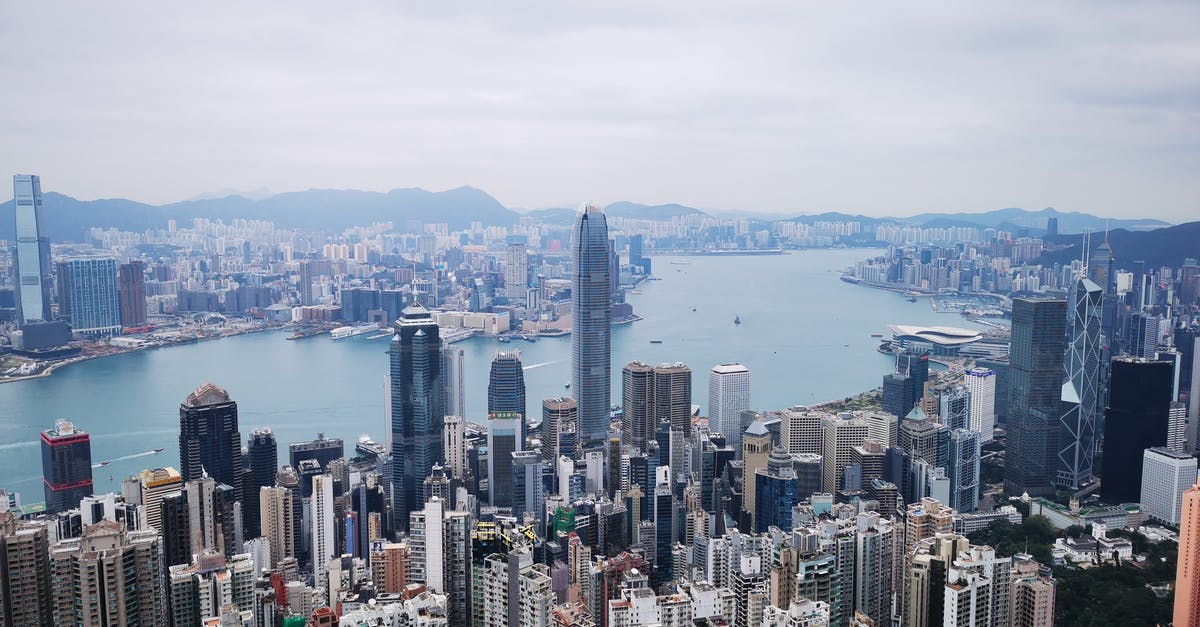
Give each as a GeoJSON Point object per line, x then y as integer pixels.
{"type": "Point", "coordinates": [87, 295]}
{"type": "Point", "coordinates": [756, 449]}
{"type": "Point", "coordinates": [728, 397]}
{"type": "Point", "coordinates": [1144, 340]}
{"type": "Point", "coordinates": [1081, 387]}
{"type": "Point", "coordinates": [777, 490]}
{"type": "Point", "coordinates": [455, 384]}
{"type": "Point", "coordinates": [66, 466]}
{"type": "Point", "coordinates": [25, 591]}
{"type": "Point", "coordinates": [176, 528]}
{"type": "Point", "coordinates": [1031, 595]}
{"type": "Point", "coordinates": [454, 442]}
{"type": "Point", "coordinates": [800, 430]}
{"type": "Point", "coordinates": [211, 524]}
{"type": "Point", "coordinates": [664, 525]}
{"type": "Point", "coordinates": [903, 388]}
{"type": "Point", "coordinates": [1166, 475]}
{"type": "Point", "coordinates": [559, 416]}
{"type": "Point", "coordinates": [276, 516]}
{"type": "Point", "coordinates": [528, 493]}
{"type": "Point", "coordinates": [305, 285]}
{"type": "Point", "coordinates": [874, 564]}
{"type": "Point", "coordinates": [673, 397]}
{"type": "Point", "coordinates": [591, 322]}
{"type": "Point", "coordinates": [506, 384]}
{"type": "Point", "coordinates": [153, 486]}
{"type": "Point", "coordinates": [131, 293]}
{"type": "Point", "coordinates": [323, 450]}
{"type": "Point", "coordinates": [1139, 404]}
{"type": "Point", "coordinates": [210, 586]}
{"type": "Point", "coordinates": [981, 385]}
{"type": "Point", "coordinates": [1187, 570]}
{"type": "Point", "coordinates": [505, 436]}
{"type": "Point", "coordinates": [1035, 380]}
{"type": "Point", "coordinates": [840, 434]}
{"type": "Point", "coordinates": [440, 544]}
{"type": "Point", "coordinates": [209, 440]}
{"type": "Point", "coordinates": [516, 271]}
{"type": "Point", "coordinates": [107, 577]}
{"type": "Point", "coordinates": [417, 397]}
{"type": "Point", "coordinates": [963, 470]}
{"type": "Point", "coordinates": [262, 455]}
{"type": "Point", "coordinates": [954, 407]}
{"type": "Point", "coordinates": [31, 261]}
{"type": "Point", "coordinates": [322, 532]}
{"type": "Point", "coordinates": [637, 405]}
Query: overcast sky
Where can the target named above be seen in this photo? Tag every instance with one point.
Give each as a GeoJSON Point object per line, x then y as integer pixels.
{"type": "Point", "coordinates": [879, 108]}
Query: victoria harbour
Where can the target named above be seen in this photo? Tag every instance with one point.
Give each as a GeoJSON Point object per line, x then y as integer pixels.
{"type": "Point", "coordinates": [805, 335]}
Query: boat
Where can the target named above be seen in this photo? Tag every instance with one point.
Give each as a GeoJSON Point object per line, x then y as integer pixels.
{"type": "Point", "coordinates": [656, 341]}
{"type": "Point", "coordinates": [503, 339]}
{"type": "Point", "coordinates": [159, 450]}
{"type": "Point", "coordinates": [568, 385]}
{"type": "Point", "coordinates": [341, 333]}
{"type": "Point", "coordinates": [693, 309]}
{"type": "Point", "coordinates": [737, 319]}
{"type": "Point", "coordinates": [369, 447]}
{"type": "Point", "coordinates": [876, 335]}
{"type": "Point", "coordinates": [680, 262]}
{"type": "Point", "coordinates": [105, 463]}
{"type": "Point", "coordinates": [912, 299]}
{"type": "Point", "coordinates": [528, 338]}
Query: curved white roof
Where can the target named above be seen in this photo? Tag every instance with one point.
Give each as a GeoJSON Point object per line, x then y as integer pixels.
{"type": "Point", "coordinates": [946, 336]}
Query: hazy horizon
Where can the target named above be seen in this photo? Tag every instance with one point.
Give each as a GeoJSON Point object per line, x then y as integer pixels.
{"type": "Point", "coordinates": [780, 108]}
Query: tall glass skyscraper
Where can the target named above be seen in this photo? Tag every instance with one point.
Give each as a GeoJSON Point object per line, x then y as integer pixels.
{"type": "Point", "coordinates": [506, 384]}
{"type": "Point", "coordinates": [1081, 386]}
{"type": "Point", "coordinates": [209, 440]}
{"type": "Point", "coordinates": [506, 415]}
{"type": "Point", "coordinates": [66, 466]}
{"type": "Point", "coordinates": [591, 322]}
{"type": "Point", "coordinates": [416, 395]}
{"type": "Point", "coordinates": [31, 261]}
{"type": "Point", "coordinates": [1035, 379]}
{"type": "Point", "coordinates": [87, 295]}
{"type": "Point", "coordinates": [1137, 418]}
{"type": "Point", "coordinates": [263, 458]}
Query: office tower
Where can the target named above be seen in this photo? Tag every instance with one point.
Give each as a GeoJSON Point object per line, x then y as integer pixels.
{"type": "Point", "coordinates": [981, 385]}
{"type": "Point", "coordinates": [262, 455]}
{"type": "Point", "coordinates": [289, 479]}
{"type": "Point", "coordinates": [306, 284]}
{"type": "Point", "coordinates": [440, 546]}
{"type": "Point", "coordinates": [25, 591]}
{"type": "Point", "coordinates": [673, 397]}
{"type": "Point", "coordinates": [528, 494]}
{"type": "Point", "coordinates": [873, 566]}
{"type": "Point", "coordinates": [558, 416]}
{"type": "Point", "coordinates": [1166, 475]}
{"type": "Point", "coordinates": [800, 430]}
{"type": "Point", "coordinates": [66, 466]}
{"type": "Point", "coordinates": [107, 577]}
{"type": "Point", "coordinates": [1139, 403]}
{"type": "Point", "coordinates": [1177, 426]}
{"type": "Point", "coordinates": [276, 514]}
{"type": "Point", "coordinates": [87, 295]}
{"type": "Point", "coordinates": [154, 485]}
{"type": "Point", "coordinates": [637, 404]}
{"type": "Point", "coordinates": [454, 442]}
{"type": "Point", "coordinates": [31, 261]}
{"type": "Point", "coordinates": [924, 438]}
{"type": "Point", "coordinates": [416, 396]}
{"type": "Point", "coordinates": [176, 528]}
{"type": "Point", "coordinates": [505, 436]}
{"type": "Point", "coordinates": [131, 293]}
{"type": "Point", "coordinates": [728, 397]}
{"type": "Point", "coordinates": [840, 435]}
{"type": "Point", "coordinates": [506, 384]}
{"type": "Point", "coordinates": [516, 272]}
{"type": "Point", "coordinates": [322, 531]}
{"type": "Point", "coordinates": [664, 525]}
{"type": "Point", "coordinates": [1187, 570]}
{"type": "Point", "coordinates": [777, 490]}
{"type": "Point", "coordinates": [208, 587]}
{"type": "Point", "coordinates": [1080, 413]}
{"type": "Point", "coordinates": [954, 407]}
{"type": "Point", "coordinates": [591, 322]}
{"type": "Point", "coordinates": [903, 388]}
{"type": "Point", "coordinates": [455, 384]}
{"type": "Point", "coordinates": [209, 440]}
{"type": "Point", "coordinates": [1144, 340]}
{"type": "Point", "coordinates": [214, 517]}
{"type": "Point", "coordinates": [323, 450]}
{"type": "Point", "coordinates": [869, 457]}
{"type": "Point", "coordinates": [756, 448]}
{"type": "Point", "coordinates": [963, 470]}
{"type": "Point", "coordinates": [881, 427]}
{"type": "Point", "coordinates": [1035, 380]}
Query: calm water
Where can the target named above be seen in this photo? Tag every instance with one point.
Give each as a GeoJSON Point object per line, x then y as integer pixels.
{"type": "Point", "coordinates": [805, 335]}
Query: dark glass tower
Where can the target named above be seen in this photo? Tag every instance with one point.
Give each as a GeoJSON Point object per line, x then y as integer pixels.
{"type": "Point", "coordinates": [905, 387]}
{"type": "Point", "coordinates": [66, 466]}
{"type": "Point", "coordinates": [591, 311]}
{"type": "Point", "coordinates": [417, 398]}
{"type": "Point", "coordinates": [1081, 387]}
{"type": "Point", "coordinates": [506, 384]}
{"type": "Point", "coordinates": [1139, 402]}
{"type": "Point", "coordinates": [262, 455]}
{"type": "Point", "coordinates": [637, 405]}
{"type": "Point", "coordinates": [1035, 380]}
{"type": "Point", "coordinates": [31, 258]}
{"type": "Point", "coordinates": [209, 440]}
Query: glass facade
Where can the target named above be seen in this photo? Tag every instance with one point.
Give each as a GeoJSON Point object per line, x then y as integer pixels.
{"type": "Point", "coordinates": [591, 326]}
{"type": "Point", "coordinates": [1035, 380]}
{"type": "Point", "coordinates": [417, 397]}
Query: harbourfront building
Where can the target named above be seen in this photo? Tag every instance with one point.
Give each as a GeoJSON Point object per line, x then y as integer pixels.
{"type": "Point", "coordinates": [131, 293]}
{"type": "Point", "coordinates": [728, 397]}
{"type": "Point", "coordinates": [66, 466]}
{"type": "Point", "coordinates": [31, 263]}
{"type": "Point", "coordinates": [591, 326]}
{"type": "Point", "coordinates": [87, 295]}
{"type": "Point", "coordinates": [416, 396]}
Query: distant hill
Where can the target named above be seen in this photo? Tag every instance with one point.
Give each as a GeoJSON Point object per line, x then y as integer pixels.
{"type": "Point", "coordinates": [68, 219]}
{"type": "Point", "coordinates": [834, 216]}
{"type": "Point", "coordinates": [1160, 247]}
{"type": "Point", "coordinates": [561, 216]}
{"type": "Point", "coordinates": [626, 209]}
{"type": "Point", "coordinates": [1068, 222]}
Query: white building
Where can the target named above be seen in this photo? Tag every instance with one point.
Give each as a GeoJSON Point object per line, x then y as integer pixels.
{"type": "Point", "coordinates": [323, 544]}
{"type": "Point", "coordinates": [1166, 474]}
{"type": "Point", "coordinates": [981, 384]}
{"type": "Point", "coordinates": [803, 613]}
{"type": "Point", "coordinates": [728, 397]}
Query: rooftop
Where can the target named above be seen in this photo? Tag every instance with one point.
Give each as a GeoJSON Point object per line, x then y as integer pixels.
{"type": "Point", "coordinates": [945, 336]}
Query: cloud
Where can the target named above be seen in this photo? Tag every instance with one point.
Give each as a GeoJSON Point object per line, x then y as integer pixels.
{"type": "Point", "coordinates": [880, 108]}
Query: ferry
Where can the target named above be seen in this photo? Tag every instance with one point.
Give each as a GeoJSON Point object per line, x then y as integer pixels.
{"type": "Point", "coordinates": [345, 332]}
{"type": "Point", "coordinates": [680, 262]}
{"type": "Point", "coordinates": [567, 386]}
{"type": "Point", "coordinates": [737, 319]}
{"type": "Point", "coordinates": [656, 341]}
{"type": "Point", "coordinates": [876, 335]}
{"type": "Point", "coordinates": [104, 463]}
{"type": "Point", "coordinates": [159, 450]}
{"type": "Point", "coordinates": [528, 337]}
{"type": "Point", "coordinates": [369, 447]}
{"type": "Point", "coordinates": [503, 339]}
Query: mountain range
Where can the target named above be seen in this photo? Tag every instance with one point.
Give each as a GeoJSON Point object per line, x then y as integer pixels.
{"type": "Point", "coordinates": [68, 219]}
{"type": "Point", "coordinates": [1158, 248]}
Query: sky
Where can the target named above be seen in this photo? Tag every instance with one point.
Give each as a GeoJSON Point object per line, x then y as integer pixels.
{"type": "Point", "coordinates": [880, 108]}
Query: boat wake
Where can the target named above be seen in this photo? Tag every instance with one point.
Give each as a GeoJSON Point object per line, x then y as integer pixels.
{"type": "Point", "coordinates": [544, 363]}
{"type": "Point", "coordinates": [125, 457]}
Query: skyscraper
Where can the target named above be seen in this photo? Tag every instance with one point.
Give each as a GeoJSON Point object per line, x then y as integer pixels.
{"type": "Point", "coordinates": [506, 384]}
{"type": "Point", "coordinates": [1166, 475]}
{"type": "Point", "coordinates": [591, 322]}
{"type": "Point", "coordinates": [981, 385]}
{"type": "Point", "coordinates": [558, 417]}
{"type": "Point", "coordinates": [209, 440]}
{"type": "Point", "coordinates": [505, 435]}
{"type": "Point", "coordinates": [31, 261]}
{"type": "Point", "coordinates": [1139, 403]}
{"type": "Point", "coordinates": [516, 271]}
{"type": "Point", "coordinates": [87, 295]}
{"type": "Point", "coordinates": [455, 385]}
{"type": "Point", "coordinates": [905, 387]}
{"type": "Point", "coordinates": [841, 434]}
{"type": "Point", "coordinates": [25, 590]}
{"type": "Point", "coordinates": [963, 470]}
{"type": "Point", "coordinates": [262, 454]}
{"type": "Point", "coordinates": [66, 466]}
{"type": "Point", "coordinates": [131, 293]}
{"type": "Point", "coordinates": [728, 397]}
{"type": "Point", "coordinates": [1035, 380]}
{"type": "Point", "coordinates": [108, 577]}
{"type": "Point", "coordinates": [275, 507]}
{"type": "Point", "coordinates": [417, 396]}
{"type": "Point", "coordinates": [322, 532]}
{"type": "Point", "coordinates": [673, 397]}
{"type": "Point", "coordinates": [637, 404]}
{"type": "Point", "coordinates": [1081, 387]}
{"type": "Point", "coordinates": [305, 286]}
{"type": "Point", "coordinates": [454, 444]}
{"type": "Point", "coordinates": [1187, 571]}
